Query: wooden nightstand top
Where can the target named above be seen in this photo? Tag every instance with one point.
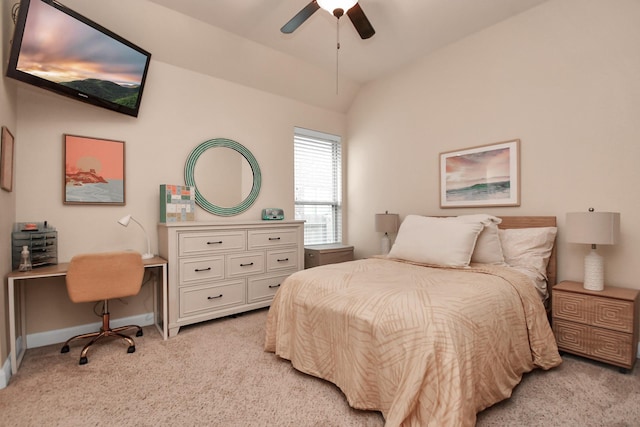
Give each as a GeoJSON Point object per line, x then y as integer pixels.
{"type": "Point", "coordinates": [608, 292]}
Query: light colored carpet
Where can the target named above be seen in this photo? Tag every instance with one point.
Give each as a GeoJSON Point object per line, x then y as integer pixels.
{"type": "Point", "coordinates": [216, 374]}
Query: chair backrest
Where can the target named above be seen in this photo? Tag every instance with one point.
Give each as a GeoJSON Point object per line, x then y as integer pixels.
{"type": "Point", "coordinates": [106, 275]}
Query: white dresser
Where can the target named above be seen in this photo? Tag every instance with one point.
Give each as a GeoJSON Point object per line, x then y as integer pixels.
{"type": "Point", "coordinates": [222, 268]}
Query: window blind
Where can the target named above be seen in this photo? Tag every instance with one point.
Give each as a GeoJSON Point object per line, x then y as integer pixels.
{"type": "Point", "coordinates": [318, 185]}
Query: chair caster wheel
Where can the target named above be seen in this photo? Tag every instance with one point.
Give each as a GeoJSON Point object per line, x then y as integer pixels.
{"type": "Point", "coordinates": [64, 349]}
{"type": "Point", "coordinates": [83, 361]}
{"type": "Point", "coordinates": [131, 349]}
{"type": "Point", "coordinates": [139, 333]}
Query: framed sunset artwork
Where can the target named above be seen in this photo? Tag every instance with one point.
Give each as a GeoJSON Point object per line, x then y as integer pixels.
{"type": "Point", "coordinates": [487, 175]}
{"type": "Point", "coordinates": [93, 171]}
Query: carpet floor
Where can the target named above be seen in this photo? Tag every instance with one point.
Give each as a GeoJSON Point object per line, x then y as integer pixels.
{"type": "Point", "coordinates": [217, 374]}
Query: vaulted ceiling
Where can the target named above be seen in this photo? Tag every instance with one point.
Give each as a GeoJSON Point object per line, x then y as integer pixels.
{"type": "Point", "coordinates": [405, 29]}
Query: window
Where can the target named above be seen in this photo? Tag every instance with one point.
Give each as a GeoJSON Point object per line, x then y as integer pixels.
{"type": "Point", "coordinates": [318, 185]}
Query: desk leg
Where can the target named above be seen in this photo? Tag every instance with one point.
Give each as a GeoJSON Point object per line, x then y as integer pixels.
{"type": "Point", "coordinates": [17, 352]}
{"type": "Point", "coordinates": [161, 317]}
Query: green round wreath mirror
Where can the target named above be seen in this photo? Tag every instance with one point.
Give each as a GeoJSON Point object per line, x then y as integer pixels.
{"type": "Point", "coordinates": [225, 175]}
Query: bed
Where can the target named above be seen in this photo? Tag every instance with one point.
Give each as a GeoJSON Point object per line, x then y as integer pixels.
{"type": "Point", "coordinates": [438, 330]}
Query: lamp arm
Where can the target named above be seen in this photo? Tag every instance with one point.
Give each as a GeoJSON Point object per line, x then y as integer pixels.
{"type": "Point", "coordinates": [145, 235]}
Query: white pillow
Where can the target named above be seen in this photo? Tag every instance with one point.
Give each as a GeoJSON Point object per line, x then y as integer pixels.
{"type": "Point", "coordinates": [528, 247]}
{"type": "Point", "coordinates": [435, 241]}
{"type": "Point", "coordinates": [488, 248]}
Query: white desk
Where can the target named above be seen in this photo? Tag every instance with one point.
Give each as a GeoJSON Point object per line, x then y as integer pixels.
{"type": "Point", "coordinates": [16, 277]}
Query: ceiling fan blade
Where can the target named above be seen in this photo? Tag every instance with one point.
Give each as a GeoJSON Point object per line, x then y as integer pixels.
{"type": "Point", "coordinates": [360, 21]}
{"type": "Point", "coordinates": [302, 16]}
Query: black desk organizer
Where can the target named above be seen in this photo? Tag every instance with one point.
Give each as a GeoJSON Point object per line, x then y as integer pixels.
{"type": "Point", "coordinates": [41, 241]}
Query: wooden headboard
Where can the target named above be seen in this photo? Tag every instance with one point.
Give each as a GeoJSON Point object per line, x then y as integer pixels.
{"type": "Point", "coordinates": [536, 221]}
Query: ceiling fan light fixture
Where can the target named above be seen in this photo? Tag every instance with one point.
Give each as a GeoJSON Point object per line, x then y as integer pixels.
{"type": "Point", "coordinates": [331, 5]}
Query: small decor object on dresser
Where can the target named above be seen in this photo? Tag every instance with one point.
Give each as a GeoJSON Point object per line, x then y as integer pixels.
{"type": "Point", "coordinates": [600, 325]}
{"type": "Point", "coordinates": [272, 213]}
{"type": "Point", "coordinates": [177, 203]}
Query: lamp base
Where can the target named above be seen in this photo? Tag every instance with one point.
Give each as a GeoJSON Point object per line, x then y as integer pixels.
{"type": "Point", "coordinates": [593, 271]}
{"type": "Point", "coordinates": [147, 256]}
{"type": "Point", "coordinates": [385, 244]}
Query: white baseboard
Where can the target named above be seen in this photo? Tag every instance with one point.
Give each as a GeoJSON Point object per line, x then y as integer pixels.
{"type": "Point", "coordinates": [40, 339]}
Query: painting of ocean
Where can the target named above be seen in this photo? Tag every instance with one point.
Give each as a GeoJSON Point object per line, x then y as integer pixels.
{"type": "Point", "coordinates": [485, 191]}
{"type": "Point", "coordinates": [110, 192]}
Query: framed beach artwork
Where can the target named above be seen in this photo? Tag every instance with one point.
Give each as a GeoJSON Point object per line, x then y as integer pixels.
{"type": "Point", "coordinates": [6, 160]}
{"type": "Point", "coordinates": [93, 171]}
{"type": "Point", "coordinates": [487, 175]}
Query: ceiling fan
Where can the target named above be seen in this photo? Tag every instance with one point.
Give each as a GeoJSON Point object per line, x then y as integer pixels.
{"type": "Point", "coordinates": [337, 8]}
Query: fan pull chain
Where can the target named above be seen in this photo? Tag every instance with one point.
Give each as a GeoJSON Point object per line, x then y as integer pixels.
{"type": "Point", "coordinates": [337, 50]}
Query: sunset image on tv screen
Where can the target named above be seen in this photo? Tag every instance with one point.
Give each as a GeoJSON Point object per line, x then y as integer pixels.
{"type": "Point", "coordinates": [58, 48]}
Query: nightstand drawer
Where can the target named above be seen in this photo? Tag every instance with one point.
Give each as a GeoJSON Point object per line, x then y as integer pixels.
{"type": "Point", "coordinates": [602, 344]}
{"type": "Point", "coordinates": [602, 312]}
{"type": "Point", "coordinates": [613, 314]}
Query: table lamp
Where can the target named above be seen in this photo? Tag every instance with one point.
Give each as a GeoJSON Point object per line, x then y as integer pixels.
{"type": "Point", "coordinates": [593, 228]}
{"type": "Point", "coordinates": [124, 221]}
{"type": "Point", "coordinates": [386, 223]}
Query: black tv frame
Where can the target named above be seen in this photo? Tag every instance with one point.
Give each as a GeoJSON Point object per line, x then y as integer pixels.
{"type": "Point", "coordinates": [77, 94]}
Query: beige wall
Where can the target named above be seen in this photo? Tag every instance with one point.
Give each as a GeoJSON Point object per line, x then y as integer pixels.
{"type": "Point", "coordinates": [7, 200]}
{"type": "Point", "coordinates": [562, 77]}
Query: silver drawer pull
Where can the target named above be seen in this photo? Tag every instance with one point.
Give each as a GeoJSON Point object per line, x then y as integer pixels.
{"type": "Point", "coordinates": [202, 269]}
{"type": "Point", "coordinates": [246, 265]}
{"type": "Point", "coordinates": [283, 259]}
{"type": "Point", "coordinates": [274, 286]}
{"type": "Point", "coordinates": [219, 296]}
{"type": "Point", "coordinates": [274, 238]}
{"type": "Point", "coordinates": [219, 242]}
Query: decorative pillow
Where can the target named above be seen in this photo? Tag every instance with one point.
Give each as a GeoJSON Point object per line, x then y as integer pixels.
{"type": "Point", "coordinates": [528, 247]}
{"type": "Point", "coordinates": [436, 241]}
{"type": "Point", "coordinates": [488, 248]}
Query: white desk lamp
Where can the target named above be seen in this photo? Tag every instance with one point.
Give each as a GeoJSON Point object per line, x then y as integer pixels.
{"type": "Point", "coordinates": [124, 221]}
{"type": "Point", "coordinates": [594, 228]}
{"type": "Point", "coordinates": [386, 223]}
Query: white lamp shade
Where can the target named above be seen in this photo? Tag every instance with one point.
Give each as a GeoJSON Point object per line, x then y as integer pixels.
{"type": "Point", "coordinates": [593, 228]}
{"type": "Point", "coordinates": [331, 5]}
{"type": "Point", "coordinates": [387, 223]}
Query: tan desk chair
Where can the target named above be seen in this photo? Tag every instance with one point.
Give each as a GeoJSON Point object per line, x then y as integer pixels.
{"type": "Point", "coordinates": [101, 277]}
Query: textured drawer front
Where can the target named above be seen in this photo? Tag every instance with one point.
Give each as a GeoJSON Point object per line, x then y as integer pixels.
{"type": "Point", "coordinates": [269, 238]}
{"type": "Point", "coordinates": [198, 269]}
{"type": "Point", "coordinates": [603, 344]}
{"type": "Point", "coordinates": [203, 243]}
{"type": "Point", "coordinates": [245, 264]}
{"type": "Point", "coordinates": [264, 288]}
{"type": "Point", "coordinates": [570, 306]}
{"type": "Point", "coordinates": [571, 336]}
{"type": "Point", "coordinates": [612, 346]}
{"type": "Point", "coordinates": [282, 259]}
{"type": "Point", "coordinates": [201, 299]}
{"type": "Point", "coordinates": [612, 314]}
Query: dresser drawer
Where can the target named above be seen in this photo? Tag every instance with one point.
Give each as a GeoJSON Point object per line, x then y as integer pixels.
{"type": "Point", "coordinates": [268, 238]}
{"type": "Point", "coordinates": [199, 269]}
{"type": "Point", "coordinates": [245, 264]}
{"type": "Point", "coordinates": [264, 288]}
{"type": "Point", "coordinates": [285, 259]}
{"type": "Point", "coordinates": [211, 242]}
{"type": "Point", "coordinates": [570, 306]}
{"type": "Point", "coordinates": [201, 299]}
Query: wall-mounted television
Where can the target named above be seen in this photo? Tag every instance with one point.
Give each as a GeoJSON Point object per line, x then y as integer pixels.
{"type": "Point", "coordinates": [60, 50]}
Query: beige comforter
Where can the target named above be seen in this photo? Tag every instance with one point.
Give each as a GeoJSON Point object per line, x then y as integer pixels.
{"type": "Point", "coordinates": [425, 346]}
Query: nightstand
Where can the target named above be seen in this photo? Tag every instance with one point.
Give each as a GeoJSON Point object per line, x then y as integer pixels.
{"type": "Point", "coordinates": [315, 255]}
{"type": "Point", "coordinates": [599, 325]}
